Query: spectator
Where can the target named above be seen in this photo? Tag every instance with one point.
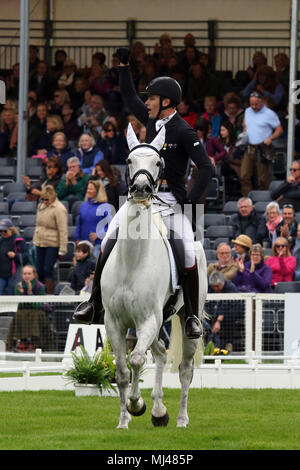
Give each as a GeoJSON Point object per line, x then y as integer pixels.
{"type": "Point", "coordinates": [212, 114]}
{"type": "Point", "coordinates": [289, 191]}
{"type": "Point", "coordinates": [92, 119]}
{"type": "Point", "coordinates": [287, 228]}
{"type": "Point", "coordinates": [8, 129]}
{"type": "Point", "coordinates": [218, 284]}
{"type": "Point", "coordinates": [30, 327]}
{"type": "Point", "coordinates": [273, 218]}
{"type": "Point", "coordinates": [282, 263]}
{"type": "Point", "coordinates": [258, 60]}
{"type": "Point", "coordinates": [282, 70]}
{"type": "Point", "coordinates": [33, 59]}
{"type": "Point", "coordinates": [184, 110]}
{"type": "Point", "coordinates": [50, 236]}
{"type": "Point", "coordinates": [187, 57]}
{"type": "Point", "coordinates": [233, 111]}
{"type": "Point", "coordinates": [66, 79]}
{"type": "Point", "coordinates": [113, 186]}
{"type": "Point", "coordinates": [37, 126]}
{"type": "Point", "coordinates": [42, 82]}
{"type": "Point", "coordinates": [12, 82]}
{"type": "Point", "coordinates": [254, 275]}
{"type": "Point", "coordinates": [71, 186]}
{"type": "Point", "coordinates": [231, 164]}
{"type": "Point", "coordinates": [265, 83]}
{"type": "Point", "coordinates": [247, 221]}
{"type": "Point", "coordinates": [296, 254]}
{"type": "Point", "coordinates": [13, 255]}
{"type": "Point", "coordinates": [60, 148]}
{"type": "Point", "coordinates": [99, 80]}
{"type": "Point", "coordinates": [78, 94]}
{"type": "Point", "coordinates": [200, 84]}
{"type": "Point", "coordinates": [113, 145]}
{"type": "Point", "coordinates": [94, 216]}
{"type": "Point", "coordinates": [54, 173]}
{"type": "Point", "coordinates": [60, 97]}
{"type": "Point", "coordinates": [88, 153]}
{"type": "Point", "coordinates": [84, 266]}
{"type": "Point", "coordinates": [241, 246]}
{"type": "Point", "coordinates": [71, 128]}
{"type": "Point", "coordinates": [59, 59]}
{"type": "Point", "coordinates": [54, 123]}
{"type": "Point", "coordinates": [225, 263]}
{"type": "Point", "coordinates": [262, 126]}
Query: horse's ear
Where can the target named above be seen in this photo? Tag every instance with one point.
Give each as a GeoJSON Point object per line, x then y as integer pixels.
{"type": "Point", "coordinates": [159, 140]}
{"type": "Point", "coordinates": [131, 137]}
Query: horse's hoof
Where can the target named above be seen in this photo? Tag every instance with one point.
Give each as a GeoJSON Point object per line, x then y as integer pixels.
{"type": "Point", "coordinates": [161, 421]}
{"type": "Point", "coordinates": [136, 411]}
{"type": "Point", "coordinates": [182, 424]}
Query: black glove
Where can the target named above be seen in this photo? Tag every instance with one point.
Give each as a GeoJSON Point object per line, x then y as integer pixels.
{"type": "Point", "coordinates": [123, 53]}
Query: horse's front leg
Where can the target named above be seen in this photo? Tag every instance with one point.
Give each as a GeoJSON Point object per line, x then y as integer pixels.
{"type": "Point", "coordinates": [186, 371]}
{"type": "Point", "coordinates": [117, 338]}
{"type": "Point", "coordinates": [145, 337]}
{"type": "Point", "coordinates": [160, 415]}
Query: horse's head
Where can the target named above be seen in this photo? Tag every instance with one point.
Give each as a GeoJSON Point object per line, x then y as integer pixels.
{"type": "Point", "coordinates": [144, 165]}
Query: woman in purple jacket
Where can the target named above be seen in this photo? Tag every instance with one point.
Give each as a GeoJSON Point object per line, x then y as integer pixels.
{"type": "Point", "coordinates": [255, 275]}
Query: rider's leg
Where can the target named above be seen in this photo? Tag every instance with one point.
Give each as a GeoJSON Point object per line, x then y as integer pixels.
{"type": "Point", "coordinates": [181, 225]}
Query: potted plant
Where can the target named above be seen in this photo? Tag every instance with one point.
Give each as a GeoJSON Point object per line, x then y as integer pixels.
{"type": "Point", "coordinates": [92, 376]}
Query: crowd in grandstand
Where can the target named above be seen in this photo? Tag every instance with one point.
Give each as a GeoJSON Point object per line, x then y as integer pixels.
{"type": "Point", "coordinates": [77, 129]}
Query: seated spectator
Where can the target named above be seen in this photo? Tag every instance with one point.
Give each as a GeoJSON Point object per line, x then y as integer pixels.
{"type": "Point", "coordinates": [59, 59]}
{"type": "Point", "coordinates": [282, 263]}
{"type": "Point", "coordinates": [241, 246]}
{"type": "Point", "coordinates": [273, 218]}
{"type": "Point", "coordinates": [50, 235]}
{"type": "Point", "coordinates": [71, 128]}
{"type": "Point", "coordinates": [42, 82]}
{"type": "Point", "coordinates": [113, 186]}
{"type": "Point", "coordinates": [287, 228]}
{"type": "Point", "coordinates": [37, 125]}
{"type": "Point", "coordinates": [213, 146]}
{"type": "Point", "coordinates": [60, 148]}
{"type": "Point", "coordinates": [266, 84]}
{"type": "Point", "coordinates": [247, 221]}
{"type": "Point", "coordinates": [258, 60]}
{"type": "Point", "coordinates": [200, 83]}
{"type": "Point", "coordinates": [94, 217]}
{"type": "Point", "coordinates": [225, 263]}
{"type": "Point", "coordinates": [184, 110]}
{"type": "Point", "coordinates": [231, 164]}
{"type": "Point", "coordinates": [233, 112]}
{"type": "Point", "coordinates": [13, 255]}
{"type": "Point", "coordinates": [8, 130]}
{"type": "Point", "coordinates": [12, 82]}
{"type": "Point", "coordinates": [212, 114]}
{"type": "Point", "coordinates": [67, 77]}
{"type": "Point", "coordinates": [60, 97]}
{"type": "Point", "coordinates": [71, 186]}
{"type": "Point", "coordinates": [289, 191]}
{"type": "Point", "coordinates": [254, 275]}
{"type": "Point", "coordinates": [30, 327]}
{"type": "Point", "coordinates": [296, 254]}
{"type": "Point", "coordinates": [92, 119]}
{"type": "Point", "coordinates": [78, 94]}
{"type": "Point", "coordinates": [282, 69]}
{"type": "Point", "coordinates": [44, 144]}
{"type": "Point", "coordinates": [84, 266]}
{"type": "Point", "coordinates": [99, 80]}
{"type": "Point", "coordinates": [88, 153]}
{"type": "Point", "coordinates": [218, 285]}
{"type": "Point", "coordinates": [113, 145]}
{"type": "Point", "coordinates": [54, 173]}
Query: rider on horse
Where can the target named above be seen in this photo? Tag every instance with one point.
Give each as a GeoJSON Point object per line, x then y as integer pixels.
{"type": "Point", "coordinates": [181, 144]}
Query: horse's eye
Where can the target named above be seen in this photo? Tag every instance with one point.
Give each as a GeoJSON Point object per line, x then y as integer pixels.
{"type": "Point", "coordinates": [158, 163]}
{"type": "Point", "coordinates": [129, 161]}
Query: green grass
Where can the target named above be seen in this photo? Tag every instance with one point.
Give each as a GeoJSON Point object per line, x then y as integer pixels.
{"type": "Point", "coordinates": [219, 420]}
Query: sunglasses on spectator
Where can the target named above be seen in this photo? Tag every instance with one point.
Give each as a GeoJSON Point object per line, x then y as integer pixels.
{"type": "Point", "coordinates": [280, 246]}
{"type": "Point", "coordinates": [255, 95]}
{"type": "Point", "coordinates": [294, 169]}
{"type": "Point", "coordinates": [3, 231]}
{"type": "Point", "coordinates": [109, 130]}
{"type": "Point", "coordinates": [287, 206]}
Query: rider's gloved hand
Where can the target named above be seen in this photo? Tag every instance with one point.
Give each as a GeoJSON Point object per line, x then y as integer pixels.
{"type": "Point", "coordinates": [123, 53]}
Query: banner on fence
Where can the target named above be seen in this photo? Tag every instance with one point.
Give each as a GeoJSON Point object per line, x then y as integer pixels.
{"type": "Point", "coordinates": [91, 337]}
{"type": "Point", "coordinates": [292, 326]}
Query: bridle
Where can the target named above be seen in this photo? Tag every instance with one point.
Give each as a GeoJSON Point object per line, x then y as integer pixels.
{"type": "Point", "coordinates": [153, 183]}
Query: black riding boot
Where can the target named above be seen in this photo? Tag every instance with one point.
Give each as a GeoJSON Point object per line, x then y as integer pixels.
{"type": "Point", "coordinates": [190, 295]}
{"type": "Point", "coordinates": [92, 310]}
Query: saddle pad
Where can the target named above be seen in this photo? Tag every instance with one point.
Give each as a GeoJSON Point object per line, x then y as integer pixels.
{"type": "Point", "coordinates": [164, 232]}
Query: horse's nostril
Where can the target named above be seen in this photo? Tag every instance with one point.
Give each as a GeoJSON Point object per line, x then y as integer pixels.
{"type": "Point", "coordinates": [148, 189]}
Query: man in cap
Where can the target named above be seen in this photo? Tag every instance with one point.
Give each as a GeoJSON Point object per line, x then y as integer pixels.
{"type": "Point", "coordinates": [181, 145]}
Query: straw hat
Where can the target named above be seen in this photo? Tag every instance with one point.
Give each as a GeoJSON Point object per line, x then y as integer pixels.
{"type": "Point", "coordinates": [243, 240]}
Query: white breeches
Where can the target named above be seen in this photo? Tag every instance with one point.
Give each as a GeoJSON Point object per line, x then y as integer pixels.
{"type": "Point", "coordinates": [177, 222]}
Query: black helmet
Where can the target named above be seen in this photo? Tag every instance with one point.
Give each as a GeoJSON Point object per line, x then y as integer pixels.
{"type": "Point", "coordinates": [166, 87]}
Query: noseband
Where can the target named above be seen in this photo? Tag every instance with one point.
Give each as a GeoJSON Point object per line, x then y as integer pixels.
{"type": "Point", "coordinates": [153, 182]}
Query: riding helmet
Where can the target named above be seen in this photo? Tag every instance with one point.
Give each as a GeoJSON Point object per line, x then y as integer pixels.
{"type": "Point", "coordinates": [166, 87]}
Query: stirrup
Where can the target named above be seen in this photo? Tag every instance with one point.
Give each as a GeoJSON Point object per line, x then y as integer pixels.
{"type": "Point", "coordinates": [84, 313]}
{"type": "Point", "coordinates": [190, 334]}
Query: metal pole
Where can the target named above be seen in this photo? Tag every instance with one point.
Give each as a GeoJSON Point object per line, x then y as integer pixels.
{"type": "Point", "coordinates": [292, 84]}
{"type": "Point", "coordinates": [23, 89]}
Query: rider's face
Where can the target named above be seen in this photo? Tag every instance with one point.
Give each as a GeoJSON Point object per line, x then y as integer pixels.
{"type": "Point", "coordinates": [153, 104]}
